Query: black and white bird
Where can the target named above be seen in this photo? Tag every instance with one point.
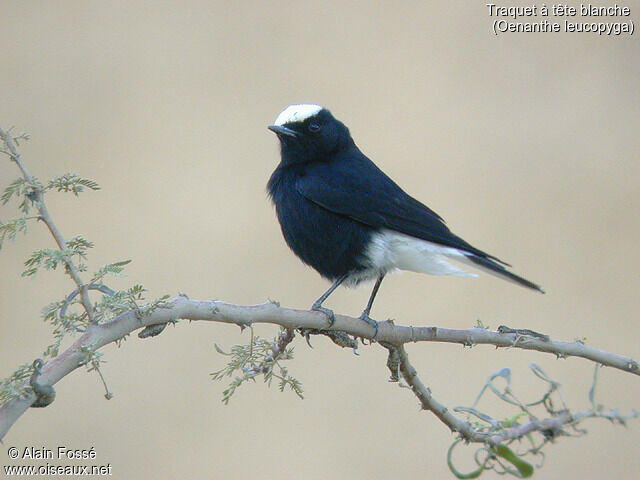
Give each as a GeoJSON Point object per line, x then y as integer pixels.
{"type": "Point", "coordinates": [348, 220]}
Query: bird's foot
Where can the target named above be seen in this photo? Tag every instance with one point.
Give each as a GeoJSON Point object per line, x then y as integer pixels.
{"type": "Point", "coordinates": [329, 313]}
{"type": "Point", "coordinates": [366, 318]}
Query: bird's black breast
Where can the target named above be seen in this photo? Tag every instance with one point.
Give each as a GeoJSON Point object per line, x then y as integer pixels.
{"type": "Point", "coordinates": [331, 243]}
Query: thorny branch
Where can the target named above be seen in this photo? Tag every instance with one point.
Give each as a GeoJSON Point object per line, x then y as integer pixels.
{"type": "Point", "coordinates": [181, 307]}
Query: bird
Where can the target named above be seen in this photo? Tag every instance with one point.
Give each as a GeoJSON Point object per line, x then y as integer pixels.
{"type": "Point", "coordinates": [344, 217]}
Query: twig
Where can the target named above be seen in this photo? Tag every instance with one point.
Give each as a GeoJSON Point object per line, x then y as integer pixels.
{"type": "Point", "coordinates": [548, 427]}
{"type": "Point", "coordinates": [38, 199]}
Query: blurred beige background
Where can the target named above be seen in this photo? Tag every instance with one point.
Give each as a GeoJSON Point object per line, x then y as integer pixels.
{"type": "Point", "coordinates": [527, 144]}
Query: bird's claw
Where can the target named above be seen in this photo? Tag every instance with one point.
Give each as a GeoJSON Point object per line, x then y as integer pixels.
{"type": "Point", "coordinates": [329, 313]}
{"type": "Point", "coordinates": [366, 318]}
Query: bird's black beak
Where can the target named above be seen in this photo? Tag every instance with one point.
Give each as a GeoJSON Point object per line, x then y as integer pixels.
{"type": "Point", "coordinates": [280, 130]}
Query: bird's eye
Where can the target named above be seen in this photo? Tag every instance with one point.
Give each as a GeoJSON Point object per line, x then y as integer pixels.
{"type": "Point", "coordinates": [314, 127]}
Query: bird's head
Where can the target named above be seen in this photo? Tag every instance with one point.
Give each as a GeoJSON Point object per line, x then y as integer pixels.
{"type": "Point", "coordinates": [309, 133]}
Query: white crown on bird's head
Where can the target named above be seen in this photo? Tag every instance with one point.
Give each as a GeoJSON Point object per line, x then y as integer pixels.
{"type": "Point", "coordinates": [297, 113]}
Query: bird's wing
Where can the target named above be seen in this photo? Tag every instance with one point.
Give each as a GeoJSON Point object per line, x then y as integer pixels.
{"type": "Point", "coordinates": [358, 189]}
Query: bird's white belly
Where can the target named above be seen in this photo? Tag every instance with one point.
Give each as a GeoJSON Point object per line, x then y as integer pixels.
{"type": "Point", "coordinates": [391, 250]}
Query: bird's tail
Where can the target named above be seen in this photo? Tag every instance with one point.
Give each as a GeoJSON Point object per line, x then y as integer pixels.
{"type": "Point", "coordinates": [498, 270]}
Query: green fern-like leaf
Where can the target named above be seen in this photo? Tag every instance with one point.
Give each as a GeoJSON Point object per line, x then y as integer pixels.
{"type": "Point", "coordinates": [110, 269]}
{"type": "Point", "coordinates": [254, 359]}
{"type": "Point", "coordinates": [49, 258]}
{"type": "Point", "coordinates": [10, 229]}
{"type": "Point", "coordinates": [71, 182]}
{"type": "Point", "coordinates": [21, 188]}
{"type": "Point", "coordinates": [15, 188]}
{"type": "Point", "coordinates": [14, 385]}
{"type": "Point", "coordinates": [79, 246]}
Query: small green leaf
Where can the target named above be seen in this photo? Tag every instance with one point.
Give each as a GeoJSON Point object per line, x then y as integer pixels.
{"type": "Point", "coordinates": [525, 469]}
{"type": "Point", "coordinates": [219, 350]}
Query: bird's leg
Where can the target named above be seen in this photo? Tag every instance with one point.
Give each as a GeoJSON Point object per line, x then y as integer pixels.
{"type": "Point", "coordinates": [365, 315]}
{"type": "Point", "coordinates": [317, 305]}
